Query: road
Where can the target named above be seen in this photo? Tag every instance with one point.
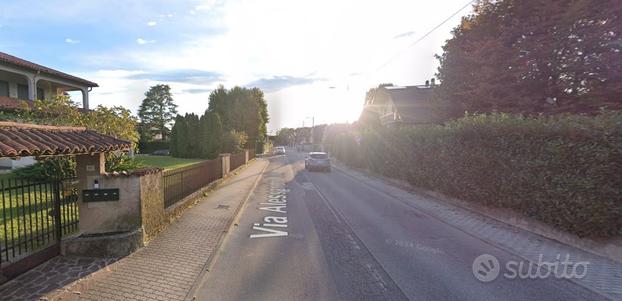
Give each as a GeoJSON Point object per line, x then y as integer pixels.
{"type": "Point", "coordinates": [328, 236]}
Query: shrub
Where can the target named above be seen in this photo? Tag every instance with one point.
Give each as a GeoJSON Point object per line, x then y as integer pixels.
{"type": "Point", "coordinates": [234, 141]}
{"type": "Point", "coordinates": [148, 147]}
{"type": "Point", "coordinates": [48, 168]}
{"type": "Point", "coordinates": [121, 162]}
{"type": "Point", "coordinates": [562, 170]}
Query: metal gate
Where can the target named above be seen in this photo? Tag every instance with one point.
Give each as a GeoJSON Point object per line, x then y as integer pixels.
{"type": "Point", "coordinates": [34, 216]}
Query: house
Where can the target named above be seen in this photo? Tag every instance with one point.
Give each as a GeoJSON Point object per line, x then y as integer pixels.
{"type": "Point", "coordinates": [402, 104]}
{"type": "Point", "coordinates": [26, 81]}
{"type": "Point", "coordinates": [22, 81]}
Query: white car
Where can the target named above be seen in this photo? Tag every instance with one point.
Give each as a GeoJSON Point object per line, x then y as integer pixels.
{"type": "Point", "coordinates": [279, 150]}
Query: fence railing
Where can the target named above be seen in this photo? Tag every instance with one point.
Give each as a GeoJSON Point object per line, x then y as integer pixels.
{"type": "Point", "coordinates": [35, 215]}
{"type": "Point", "coordinates": [180, 183]}
{"type": "Point", "coordinates": [237, 160]}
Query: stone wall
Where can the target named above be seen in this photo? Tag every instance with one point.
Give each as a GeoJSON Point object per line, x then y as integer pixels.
{"type": "Point", "coordinates": [140, 204]}
{"type": "Point", "coordinates": [152, 203]}
{"type": "Point", "coordinates": [113, 216]}
{"type": "Point", "coordinates": [118, 228]}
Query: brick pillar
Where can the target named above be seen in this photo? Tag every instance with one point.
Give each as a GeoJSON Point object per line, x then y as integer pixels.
{"type": "Point", "coordinates": [245, 156]}
{"type": "Point", "coordinates": [89, 168]}
{"type": "Point", "coordinates": [226, 164]}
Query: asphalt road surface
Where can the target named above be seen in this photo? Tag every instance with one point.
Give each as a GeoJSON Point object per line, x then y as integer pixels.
{"type": "Point", "coordinates": [327, 236]}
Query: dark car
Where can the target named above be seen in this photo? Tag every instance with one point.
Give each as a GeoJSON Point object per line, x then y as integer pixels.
{"type": "Point", "coordinates": [317, 161]}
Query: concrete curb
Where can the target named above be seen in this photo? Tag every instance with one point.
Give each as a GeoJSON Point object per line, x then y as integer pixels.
{"type": "Point", "coordinates": [610, 249]}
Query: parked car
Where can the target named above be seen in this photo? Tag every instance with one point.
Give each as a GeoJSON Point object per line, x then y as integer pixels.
{"type": "Point", "coordinates": [317, 161]}
{"type": "Point", "coordinates": [279, 150]}
{"type": "Point", "coordinates": [161, 152]}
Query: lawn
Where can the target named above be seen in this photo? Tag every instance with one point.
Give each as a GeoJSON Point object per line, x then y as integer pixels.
{"type": "Point", "coordinates": [26, 217]}
{"type": "Point", "coordinates": [6, 176]}
{"type": "Point", "coordinates": [166, 162]}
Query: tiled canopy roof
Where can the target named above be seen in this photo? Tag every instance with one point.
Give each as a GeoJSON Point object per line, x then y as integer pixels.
{"type": "Point", "coordinates": [13, 60]}
{"type": "Point", "coordinates": [17, 139]}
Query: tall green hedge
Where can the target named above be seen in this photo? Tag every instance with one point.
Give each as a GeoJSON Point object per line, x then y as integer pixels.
{"type": "Point", "coordinates": [564, 170]}
{"type": "Point", "coordinates": [148, 147]}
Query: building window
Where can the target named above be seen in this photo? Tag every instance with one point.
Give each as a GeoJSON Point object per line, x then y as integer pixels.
{"type": "Point", "coordinates": [4, 88]}
{"type": "Point", "coordinates": [40, 94]}
{"type": "Point", "coordinates": [22, 91]}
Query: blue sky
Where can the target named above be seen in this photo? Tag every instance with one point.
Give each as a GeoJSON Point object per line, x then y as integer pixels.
{"type": "Point", "coordinates": [312, 58]}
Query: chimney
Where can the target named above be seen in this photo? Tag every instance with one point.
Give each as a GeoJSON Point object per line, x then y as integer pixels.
{"type": "Point", "coordinates": [427, 83]}
{"type": "Point", "coordinates": [433, 82]}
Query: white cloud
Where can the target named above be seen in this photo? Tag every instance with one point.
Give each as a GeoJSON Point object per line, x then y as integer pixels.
{"type": "Point", "coordinates": [208, 5]}
{"type": "Point", "coordinates": [142, 41]}
{"type": "Point", "coordinates": [71, 41]}
{"type": "Point", "coordinates": [152, 23]}
{"type": "Point", "coordinates": [248, 40]}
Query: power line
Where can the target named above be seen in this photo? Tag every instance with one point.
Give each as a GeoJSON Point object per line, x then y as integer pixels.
{"type": "Point", "coordinates": [425, 35]}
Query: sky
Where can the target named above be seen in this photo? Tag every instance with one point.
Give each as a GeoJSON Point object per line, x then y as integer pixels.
{"type": "Point", "coordinates": [314, 59]}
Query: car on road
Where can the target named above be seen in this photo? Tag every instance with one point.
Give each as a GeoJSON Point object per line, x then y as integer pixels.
{"type": "Point", "coordinates": [279, 150]}
{"type": "Point", "coordinates": [317, 161]}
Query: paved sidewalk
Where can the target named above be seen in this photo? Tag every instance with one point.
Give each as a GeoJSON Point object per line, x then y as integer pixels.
{"type": "Point", "coordinates": [168, 266]}
{"type": "Point", "coordinates": [50, 276]}
{"type": "Point", "coordinates": [604, 276]}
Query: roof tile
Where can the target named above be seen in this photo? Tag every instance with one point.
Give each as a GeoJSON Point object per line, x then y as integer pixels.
{"type": "Point", "coordinates": [18, 139]}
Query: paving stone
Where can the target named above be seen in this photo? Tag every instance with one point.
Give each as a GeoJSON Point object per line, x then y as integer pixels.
{"type": "Point", "coordinates": [165, 269]}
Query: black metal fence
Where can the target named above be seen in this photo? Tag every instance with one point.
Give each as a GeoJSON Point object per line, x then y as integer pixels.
{"type": "Point", "coordinates": [35, 215]}
{"type": "Point", "coordinates": [180, 183]}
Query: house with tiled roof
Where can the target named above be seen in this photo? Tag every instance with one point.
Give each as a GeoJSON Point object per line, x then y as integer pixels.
{"type": "Point", "coordinates": [396, 105]}
{"type": "Point", "coordinates": [22, 81]}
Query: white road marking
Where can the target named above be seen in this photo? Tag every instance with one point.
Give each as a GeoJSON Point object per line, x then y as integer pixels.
{"type": "Point", "coordinates": [273, 226]}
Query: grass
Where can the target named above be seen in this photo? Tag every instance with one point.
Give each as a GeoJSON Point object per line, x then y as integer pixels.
{"type": "Point", "coordinates": [166, 162]}
{"type": "Point", "coordinates": [25, 220]}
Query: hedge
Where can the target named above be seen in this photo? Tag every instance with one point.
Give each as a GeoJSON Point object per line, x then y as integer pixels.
{"type": "Point", "coordinates": [565, 171]}
{"type": "Point", "coordinates": [148, 147]}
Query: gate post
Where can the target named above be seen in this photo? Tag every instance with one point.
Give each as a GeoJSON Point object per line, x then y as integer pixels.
{"type": "Point", "coordinates": [226, 164]}
{"type": "Point", "coordinates": [58, 228]}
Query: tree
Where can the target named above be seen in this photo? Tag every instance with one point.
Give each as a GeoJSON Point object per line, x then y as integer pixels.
{"type": "Point", "coordinates": [179, 138]}
{"type": "Point", "coordinates": [235, 120]}
{"type": "Point", "coordinates": [285, 136]}
{"type": "Point", "coordinates": [156, 112]}
{"type": "Point", "coordinates": [234, 141]}
{"type": "Point", "coordinates": [193, 149]}
{"type": "Point", "coordinates": [211, 135]}
{"type": "Point", "coordinates": [534, 56]}
{"type": "Point", "coordinates": [175, 133]}
{"type": "Point", "coordinates": [242, 110]}
{"type": "Point", "coordinates": [116, 121]}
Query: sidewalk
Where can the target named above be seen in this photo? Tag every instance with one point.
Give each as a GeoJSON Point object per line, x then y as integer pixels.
{"type": "Point", "coordinates": [604, 276]}
{"type": "Point", "coordinates": [167, 267]}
